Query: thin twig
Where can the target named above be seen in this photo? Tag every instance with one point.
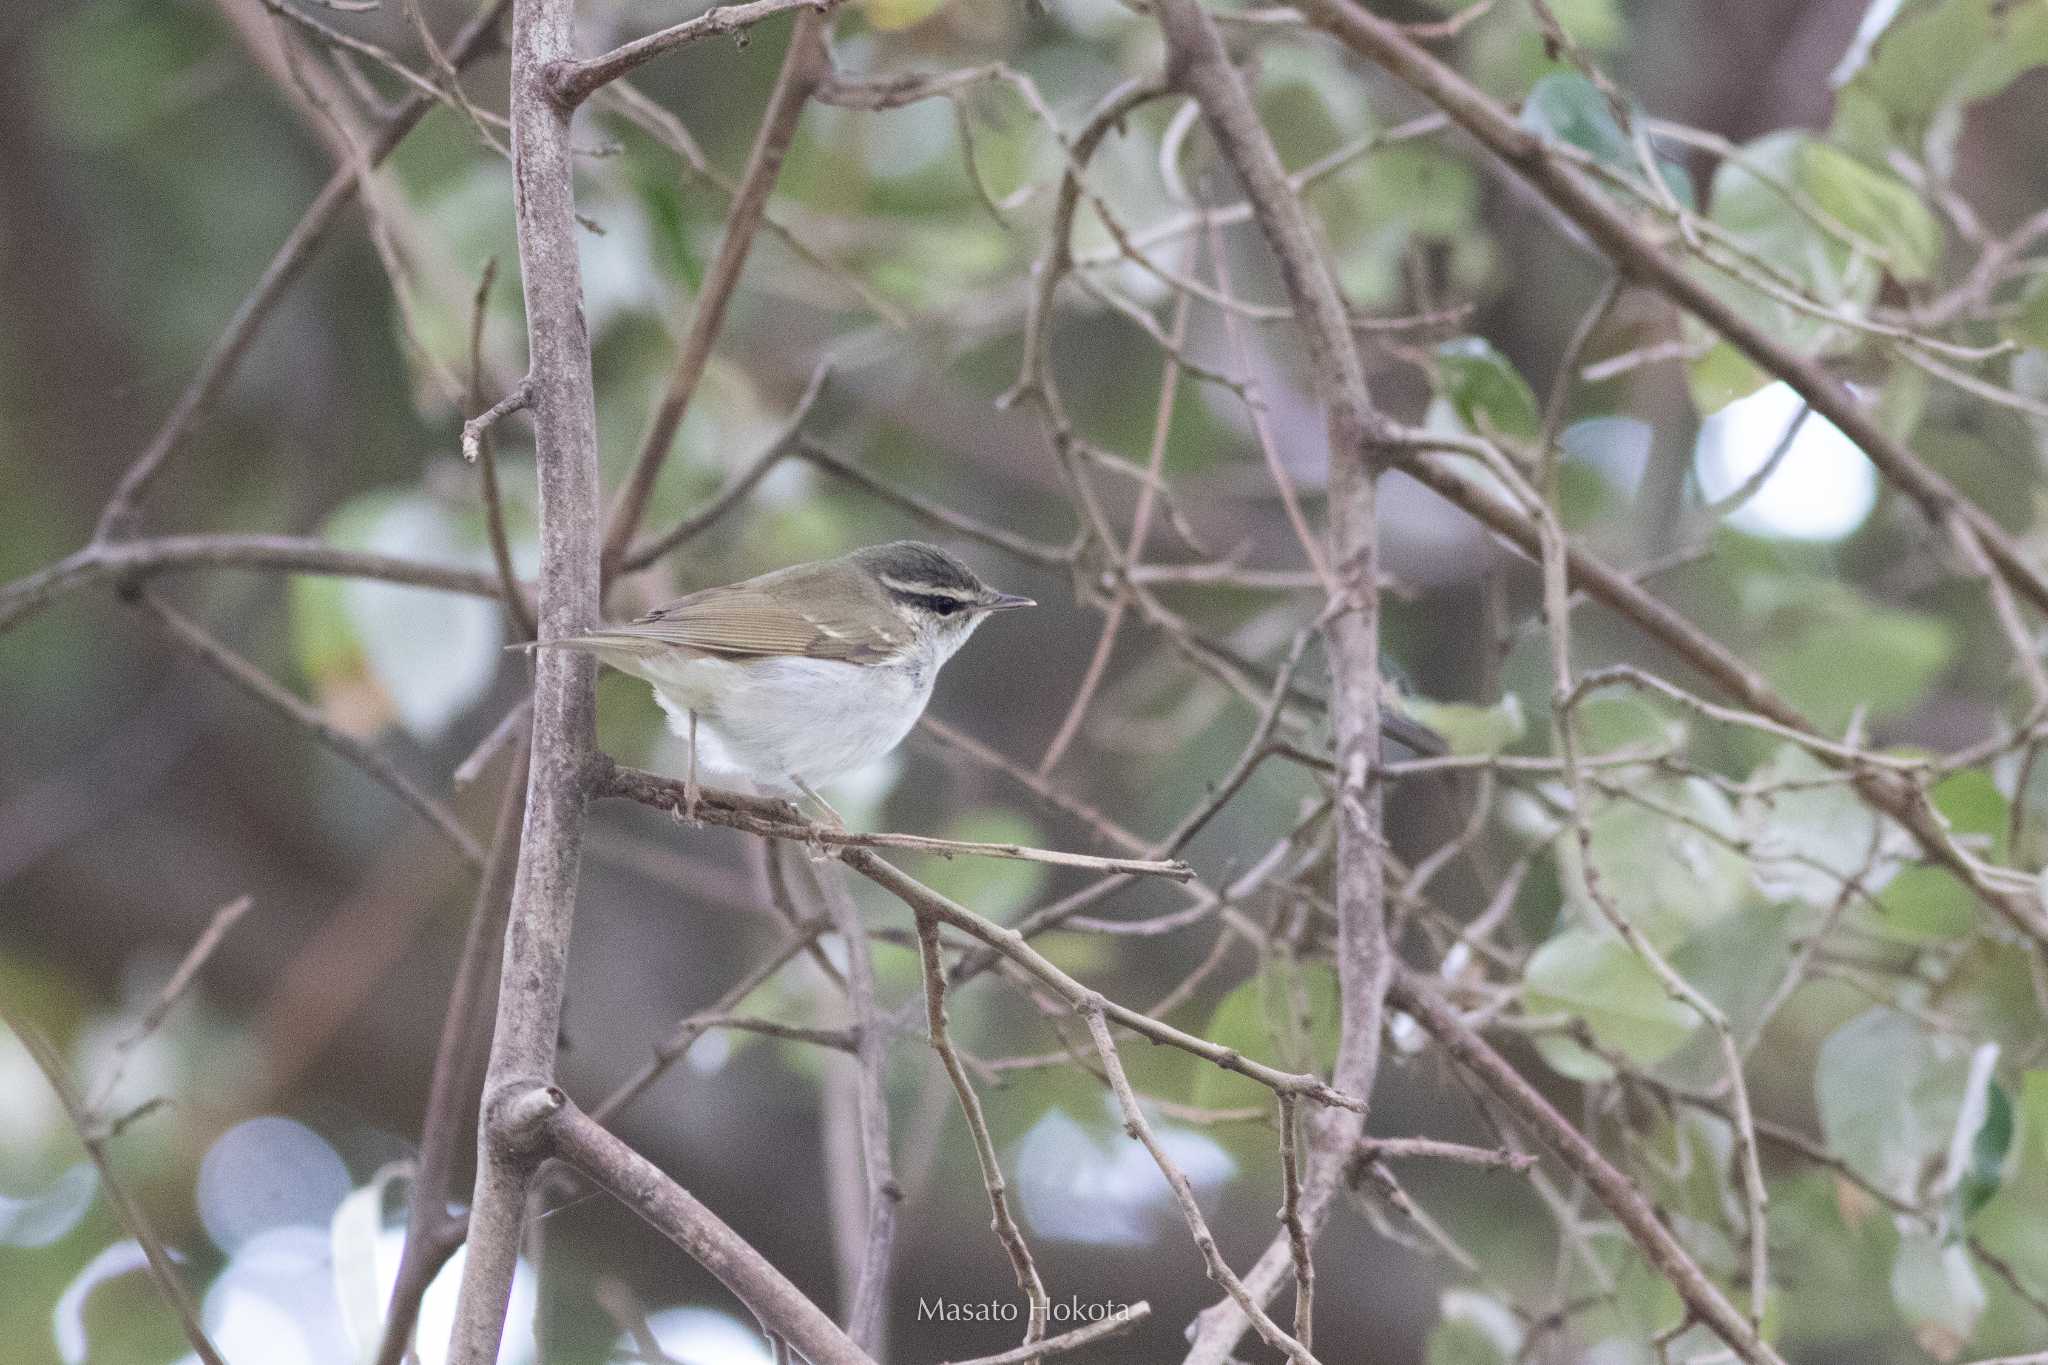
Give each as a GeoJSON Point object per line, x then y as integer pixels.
{"type": "Point", "coordinates": [1007, 1232]}
{"type": "Point", "coordinates": [802, 68]}
{"type": "Point", "coordinates": [1123, 1320]}
{"type": "Point", "coordinates": [253, 681]}
{"type": "Point", "coordinates": [865, 1312]}
{"type": "Point", "coordinates": [1136, 1125]}
{"type": "Point", "coordinates": [778, 820]}
{"type": "Point", "coordinates": [432, 1233]}
{"type": "Point", "coordinates": [572, 82]}
{"type": "Point", "coordinates": [135, 559]}
{"type": "Point", "coordinates": [125, 1206]}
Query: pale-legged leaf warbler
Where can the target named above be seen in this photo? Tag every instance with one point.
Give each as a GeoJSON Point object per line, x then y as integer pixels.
{"type": "Point", "coordinates": [799, 676]}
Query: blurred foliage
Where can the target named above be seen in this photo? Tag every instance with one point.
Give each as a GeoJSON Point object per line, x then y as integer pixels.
{"type": "Point", "coordinates": [1830, 206]}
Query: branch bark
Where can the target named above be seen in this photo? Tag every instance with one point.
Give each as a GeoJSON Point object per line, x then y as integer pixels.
{"type": "Point", "coordinates": [1416, 994]}
{"type": "Point", "coordinates": [1198, 64]}
{"type": "Point", "coordinates": [431, 1232]}
{"type": "Point", "coordinates": [1642, 260]}
{"type": "Point", "coordinates": [476, 38]}
{"type": "Point", "coordinates": [635, 1181]}
{"type": "Point", "coordinates": [565, 693]}
{"type": "Point", "coordinates": [124, 559]}
{"type": "Point", "coordinates": [803, 67]}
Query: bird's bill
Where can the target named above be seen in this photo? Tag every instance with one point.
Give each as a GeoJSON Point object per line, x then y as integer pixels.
{"type": "Point", "coordinates": [1004, 601]}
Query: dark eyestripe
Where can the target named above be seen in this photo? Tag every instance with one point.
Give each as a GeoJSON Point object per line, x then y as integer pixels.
{"type": "Point", "coordinates": [933, 602]}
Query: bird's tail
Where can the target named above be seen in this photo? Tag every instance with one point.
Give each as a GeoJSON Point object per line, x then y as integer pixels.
{"type": "Point", "coordinates": [598, 642]}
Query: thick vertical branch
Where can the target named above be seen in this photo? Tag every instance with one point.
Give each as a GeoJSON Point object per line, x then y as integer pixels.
{"type": "Point", "coordinates": [431, 1232]}
{"type": "Point", "coordinates": [1197, 64]}
{"type": "Point", "coordinates": [866, 1312]}
{"type": "Point", "coordinates": [565, 694]}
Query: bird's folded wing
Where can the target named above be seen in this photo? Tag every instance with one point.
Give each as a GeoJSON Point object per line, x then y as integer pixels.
{"type": "Point", "coordinates": [740, 622]}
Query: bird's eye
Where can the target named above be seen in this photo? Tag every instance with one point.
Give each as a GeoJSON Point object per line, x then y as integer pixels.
{"type": "Point", "coordinates": [937, 605]}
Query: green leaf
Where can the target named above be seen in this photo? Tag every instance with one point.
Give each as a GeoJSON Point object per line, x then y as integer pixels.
{"type": "Point", "coordinates": [1566, 106]}
{"type": "Point", "coordinates": [2010, 1222]}
{"type": "Point", "coordinates": [1936, 1290]}
{"type": "Point", "coordinates": [1888, 1094]}
{"type": "Point", "coordinates": [1471, 729]}
{"type": "Point", "coordinates": [1934, 56]}
{"type": "Point", "coordinates": [1875, 205]}
{"type": "Point", "coordinates": [1833, 653]}
{"type": "Point", "coordinates": [2029, 325]}
{"type": "Point", "coordinates": [1487, 392]}
{"type": "Point", "coordinates": [1922, 904]}
{"type": "Point", "coordinates": [1751, 198]}
{"type": "Point", "coordinates": [1593, 975]}
{"type": "Point", "coordinates": [1721, 376]}
{"type": "Point", "coordinates": [1630, 722]}
{"type": "Point", "coordinates": [996, 887]}
{"type": "Point", "coordinates": [1988, 1151]}
{"type": "Point", "coordinates": [890, 15]}
{"type": "Point", "coordinates": [1974, 807]}
{"type": "Point", "coordinates": [1810, 833]}
{"type": "Point", "coordinates": [1257, 1019]}
{"type": "Point", "coordinates": [1379, 207]}
{"type": "Point", "coordinates": [1476, 1329]}
{"type": "Point", "coordinates": [1663, 862]}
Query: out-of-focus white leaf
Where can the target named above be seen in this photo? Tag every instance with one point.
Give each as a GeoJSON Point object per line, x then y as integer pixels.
{"type": "Point", "coordinates": [1937, 1292]}
{"type": "Point", "coordinates": [1073, 1188]}
{"type": "Point", "coordinates": [1889, 1093]}
{"type": "Point", "coordinates": [697, 1334]}
{"type": "Point", "coordinates": [266, 1173]}
{"type": "Point", "coordinates": [40, 1219]}
{"type": "Point", "coordinates": [353, 1234]}
{"type": "Point", "coordinates": [67, 1319]}
{"type": "Point", "coordinates": [433, 652]}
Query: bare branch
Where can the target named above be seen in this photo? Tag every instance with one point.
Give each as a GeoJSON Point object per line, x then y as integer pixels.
{"type": "Point", "coordinates": [577, 1138]}
{"type": "Point", "coordinates": [1029, 1283]}
{"type": "Point", "coordinates": [1355, 430]}
{"type": "Point", "coordinates": [473, 430]}
{"type": "Point", "coordinates": [803, 66]}
{"type": "Point", "coordinates": [572, 82]}
{"type": "Point", "coordinates": [477, 37]}
{"type": "Point", "coordinates": [125, 1207]}
{"type": "Point", "coordinates": [256, 683]}
{"type": "Point", "coordinates": [865, 1314]}
{"type": "Point", "coordinates": [778, 820]}
{"type": "Point", "coordinates": [1130, 1316]}
{"type": "Point", "coordinates": [565, 690]}
{"type": "Point", "coordinates": [129, 559]}
{"type": "Point", "coordinates": [432, 1233]}
{"type": "Point", "coordinates": [1563, 184]}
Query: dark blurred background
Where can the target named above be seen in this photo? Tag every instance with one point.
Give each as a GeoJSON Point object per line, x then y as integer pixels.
{"type": "Point", "coordinates": [154, 152]}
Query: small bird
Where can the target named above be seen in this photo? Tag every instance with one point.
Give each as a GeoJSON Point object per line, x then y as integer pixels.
{"type": "Point", "coordinates": [799, 676]}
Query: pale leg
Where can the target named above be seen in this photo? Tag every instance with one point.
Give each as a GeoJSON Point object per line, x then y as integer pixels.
{"type": "Point", "coordinates": [690, 780]}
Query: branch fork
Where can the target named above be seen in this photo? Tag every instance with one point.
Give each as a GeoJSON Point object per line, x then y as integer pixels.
{"type": "Point", "coordinates": [473, 430]}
